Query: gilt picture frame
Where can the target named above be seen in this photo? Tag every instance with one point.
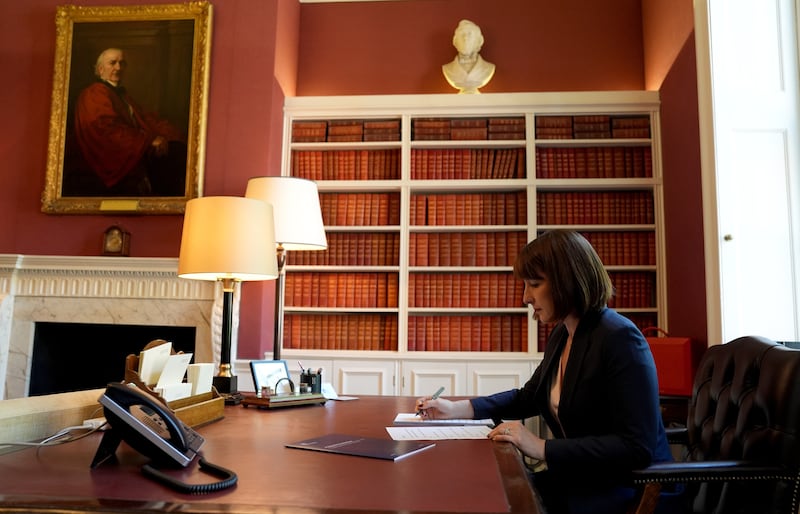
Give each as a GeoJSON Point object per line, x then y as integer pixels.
{"type": "Point", "coordinates": [128, 110]}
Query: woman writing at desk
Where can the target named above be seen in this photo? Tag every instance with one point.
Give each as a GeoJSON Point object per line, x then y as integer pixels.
{"type": "Point", "coordinates": [596, 386]}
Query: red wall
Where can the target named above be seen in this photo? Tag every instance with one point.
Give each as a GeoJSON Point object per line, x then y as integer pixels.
{"type": "Point", "coordinates": [683, 206]}
{"type": "Point", "coordinates": [241, 138]}
{"type": "Point", "coordinates": [337, 49]}
{"type": "Point", "coordinates": [366, 48]}
{"type": "Point", "coordinates": [670, 66]}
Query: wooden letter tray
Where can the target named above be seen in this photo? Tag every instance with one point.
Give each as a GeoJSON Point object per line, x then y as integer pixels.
{"type": "Point", "coordinates": [194, 410]}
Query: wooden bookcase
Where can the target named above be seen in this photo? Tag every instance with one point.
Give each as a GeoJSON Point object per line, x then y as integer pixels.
{"type": "Point", "coordinates": [428, 198]}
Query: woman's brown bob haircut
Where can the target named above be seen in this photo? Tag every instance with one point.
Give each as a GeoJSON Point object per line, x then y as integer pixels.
{"type": "Point", "coordinates": [578, 280]}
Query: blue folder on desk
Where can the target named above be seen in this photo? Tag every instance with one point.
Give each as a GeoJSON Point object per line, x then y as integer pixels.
{"type": "Point", "coordinates": [371, 447]}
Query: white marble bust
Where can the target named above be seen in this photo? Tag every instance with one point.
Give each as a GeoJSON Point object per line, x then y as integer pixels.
{"type": "Point", "coordinates": [468, 71]}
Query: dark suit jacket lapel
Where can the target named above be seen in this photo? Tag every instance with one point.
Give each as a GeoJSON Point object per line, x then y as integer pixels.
{"type": "Point", "coordinates": [577, 360]}
{"type": "Point", "coordinates": [577, 357]}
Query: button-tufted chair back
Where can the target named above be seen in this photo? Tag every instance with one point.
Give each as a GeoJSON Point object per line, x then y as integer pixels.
{"type": "Point", "coordinates": [746, 406]}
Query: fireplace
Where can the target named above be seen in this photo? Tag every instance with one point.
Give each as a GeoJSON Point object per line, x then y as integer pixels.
{"type": "Point", "coordinates": [98, 290]}
{"type": "Point", "coordinates": [78, 356]}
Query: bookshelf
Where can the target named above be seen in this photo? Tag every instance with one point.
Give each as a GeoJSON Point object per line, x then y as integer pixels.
{"type": "Point", "coordinates": [428, 198]}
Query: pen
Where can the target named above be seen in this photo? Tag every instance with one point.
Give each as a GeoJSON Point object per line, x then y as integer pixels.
{"type": "Point", "coordinates": [433, 397]}
{"type": "Point", "coordinates": [302, 370]}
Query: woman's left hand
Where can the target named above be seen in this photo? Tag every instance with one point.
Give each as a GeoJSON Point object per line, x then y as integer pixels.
{"type": "Point", "coordinates": [515, 433]}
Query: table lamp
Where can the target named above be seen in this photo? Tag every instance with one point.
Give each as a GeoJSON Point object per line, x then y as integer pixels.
{"type": "Point", "coordinates": [298, 226]}
{"type": "Point", "coordinates": [227, 239]}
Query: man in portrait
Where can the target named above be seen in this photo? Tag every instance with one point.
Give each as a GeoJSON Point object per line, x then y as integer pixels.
{"type": "Point", "coordinates": [119, 148]}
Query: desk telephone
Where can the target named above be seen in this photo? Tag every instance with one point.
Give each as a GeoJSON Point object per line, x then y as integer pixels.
{"type": "Point", "coordinates": [150, 428]}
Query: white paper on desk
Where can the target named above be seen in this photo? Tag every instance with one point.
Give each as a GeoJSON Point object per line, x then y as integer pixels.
{"type": "Point", "coordinates": [409, 418]}
{"type": "Point", "coordinates": [330, 393]}
{"type": "Point", "coordinates": [152, 361]}
{"type": "Point", "coordinates": [438, 433]}
{"type": "Point", "coordinates": [174, 369]}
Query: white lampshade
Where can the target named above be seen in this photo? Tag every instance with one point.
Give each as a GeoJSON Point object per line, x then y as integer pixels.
{"type": "Point", "coordinates": [298, 217]}
{"type": "Point", "coordinates": [228, 237]}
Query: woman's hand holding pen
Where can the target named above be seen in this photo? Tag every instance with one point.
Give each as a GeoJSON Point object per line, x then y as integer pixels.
{"type": "Point", "coordinates": [433, 408]}
{"type": "Point", "coordinates": [441, 408]}
{"type": "Point", "coordinates": [515, 433]}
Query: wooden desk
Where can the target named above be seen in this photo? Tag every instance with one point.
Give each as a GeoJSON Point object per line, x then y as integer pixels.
{"type": "Point", "coordinates": [477, 476]}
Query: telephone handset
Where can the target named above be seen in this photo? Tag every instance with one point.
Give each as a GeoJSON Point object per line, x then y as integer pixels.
{"type": "Point", "coordinates": [149, 427]}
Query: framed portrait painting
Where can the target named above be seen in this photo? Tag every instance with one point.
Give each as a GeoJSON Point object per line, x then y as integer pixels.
{"type": "Point", "coordinates": [128, 112]}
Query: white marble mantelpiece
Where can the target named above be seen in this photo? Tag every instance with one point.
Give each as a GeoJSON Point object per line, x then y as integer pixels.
{"type": "Point", "coordinates": [107, 290]}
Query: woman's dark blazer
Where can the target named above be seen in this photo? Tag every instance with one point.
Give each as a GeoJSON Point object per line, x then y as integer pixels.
{"type": "Point", "coordinates": [610, 418]}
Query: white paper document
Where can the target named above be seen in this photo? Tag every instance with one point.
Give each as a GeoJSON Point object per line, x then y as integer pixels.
{"type": "Point", "coordinates": [171, 392]}
{"type": "Point", "coordinates": [152, 361]}
{"type": "Point", "coordinates": [438, 433]}
{"type": "Point", "coordinates": [201, 376]}
{"type": "Point", "coordinates": [174, 370]}
{"type": "Point", "coordinates": [330, 393]}
{"type": "Point", "coordinates": [409, 418]}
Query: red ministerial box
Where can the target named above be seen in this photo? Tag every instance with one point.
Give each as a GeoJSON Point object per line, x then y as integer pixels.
{"type": "Point", "coordinates": [676, 363]}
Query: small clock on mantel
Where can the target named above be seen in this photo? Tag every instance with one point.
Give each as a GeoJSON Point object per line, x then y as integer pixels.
{"type": "Point", "coordinates": [116, 241]}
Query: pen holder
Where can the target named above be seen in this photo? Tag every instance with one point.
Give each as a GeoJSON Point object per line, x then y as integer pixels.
{"type": "Point", "coordinates": [313, 380]}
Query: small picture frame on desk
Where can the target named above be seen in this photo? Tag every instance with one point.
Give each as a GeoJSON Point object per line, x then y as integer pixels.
{"type": "Point", "coordinates": [271, 375]}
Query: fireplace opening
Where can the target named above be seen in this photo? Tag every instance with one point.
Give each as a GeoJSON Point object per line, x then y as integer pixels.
{"type": "Point", "coordinates": [79, 356]}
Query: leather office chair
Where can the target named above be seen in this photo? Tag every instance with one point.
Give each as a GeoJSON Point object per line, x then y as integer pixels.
{"type": "Point", "coordinates": [741, 438]}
